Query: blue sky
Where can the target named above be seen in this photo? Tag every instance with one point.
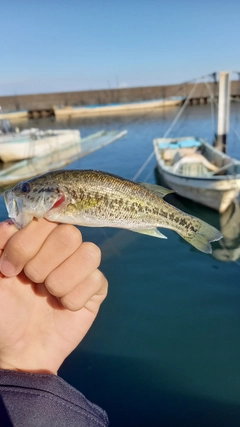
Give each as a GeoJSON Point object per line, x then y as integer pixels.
{"type": "Point", "coordinates": [66, 45]}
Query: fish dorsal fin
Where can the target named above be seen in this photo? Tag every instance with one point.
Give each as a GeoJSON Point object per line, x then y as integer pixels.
{"type": "Point", "coordinates": [156, 189]}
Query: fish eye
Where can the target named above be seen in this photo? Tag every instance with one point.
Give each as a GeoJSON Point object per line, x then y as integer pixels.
{"type": "Point", "coordinates": [25, 187]}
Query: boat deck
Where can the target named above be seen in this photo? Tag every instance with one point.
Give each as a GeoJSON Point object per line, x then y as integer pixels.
{"type": "Point", "coordinates": [191, 157]}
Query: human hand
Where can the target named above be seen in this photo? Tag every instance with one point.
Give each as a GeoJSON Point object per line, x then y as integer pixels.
{"type": "Point", "coordinates": [50, 293]}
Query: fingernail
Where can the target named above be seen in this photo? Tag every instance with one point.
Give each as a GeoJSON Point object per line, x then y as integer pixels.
{"type": "Point", "coordinates": [6, 268]}
{"type": "Point", "coordinates": [9, 221]}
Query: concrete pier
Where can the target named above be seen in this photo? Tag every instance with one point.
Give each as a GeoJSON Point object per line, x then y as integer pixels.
{"type": "Point", "coordinates": [42, 105]}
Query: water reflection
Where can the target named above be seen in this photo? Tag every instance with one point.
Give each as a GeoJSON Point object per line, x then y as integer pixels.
{"type": "Point", "coordinates": [229, 246]}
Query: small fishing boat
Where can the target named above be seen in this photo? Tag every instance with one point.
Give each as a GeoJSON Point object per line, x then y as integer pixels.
{"type": "Point", "coordinates": [14, 115]}
{"type": "Point", "coordinates": [197, 170]}
{"type": "Point", "coordinates": [117, 108]}
{"type": "Point", "coordinates": [28, 168]}
{"type": "Point", "coordinates": [29, 143]}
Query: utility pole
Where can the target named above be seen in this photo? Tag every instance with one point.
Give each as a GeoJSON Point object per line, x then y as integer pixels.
{"type": "Point", "coordinates": [223, 111]}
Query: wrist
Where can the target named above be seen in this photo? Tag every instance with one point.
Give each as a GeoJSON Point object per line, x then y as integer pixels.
{"type": "Point", "coordinates": [8, 367]}
{"type": "Point", "coordinates": [25, 365]}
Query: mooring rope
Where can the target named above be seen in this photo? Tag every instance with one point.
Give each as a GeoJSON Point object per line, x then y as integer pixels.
{"type": "Point", "coordinates": [141, 169]}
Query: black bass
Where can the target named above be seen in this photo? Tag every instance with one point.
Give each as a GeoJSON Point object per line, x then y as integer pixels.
{"type": "Point", "coordinates": [98, 199]}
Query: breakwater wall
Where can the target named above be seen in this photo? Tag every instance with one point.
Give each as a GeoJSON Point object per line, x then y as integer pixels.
{"type": "Point", "coordinates": [47, 101]}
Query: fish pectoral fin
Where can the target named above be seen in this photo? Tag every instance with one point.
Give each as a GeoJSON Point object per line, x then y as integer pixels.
{"type": "Point", "coordinates": [154, 232]}
{"type": "Point", "coordinates": [157, 189]}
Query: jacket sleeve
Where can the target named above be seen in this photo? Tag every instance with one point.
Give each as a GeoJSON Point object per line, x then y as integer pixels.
{"type": "Point", "coordinates": [45, 400]}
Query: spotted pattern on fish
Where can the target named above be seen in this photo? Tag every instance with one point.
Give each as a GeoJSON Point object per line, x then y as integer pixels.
{"type": "Point", "coordinates": [97, 199]}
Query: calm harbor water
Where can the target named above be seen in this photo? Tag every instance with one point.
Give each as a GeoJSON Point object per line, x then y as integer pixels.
{"type": "Point", "coordinates": [165, 348]}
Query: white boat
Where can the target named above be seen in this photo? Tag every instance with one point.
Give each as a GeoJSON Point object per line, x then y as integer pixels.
{"type": "Point", "coordinates": [14, 115]}
{"type": "Point", "coordinates": [196, 170]}
{"type": "Point", "coordinates": [117, 108]}
{"type": "Point", "coordinates": [15, 146]}
{"type": "Point", "coordinates": [18, 171]}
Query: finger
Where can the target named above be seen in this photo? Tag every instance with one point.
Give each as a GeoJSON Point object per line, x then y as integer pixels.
{"type": "Point", "coordinates": [90, 293]}
{"type": "Point", "coordinates": [7, 230]}
{"type": "Point", "coordinates": [61, 243]}
{"type": "Point", "coordinates": [24, 245]}
{"type": "Point", "coordinates": [74, 270]}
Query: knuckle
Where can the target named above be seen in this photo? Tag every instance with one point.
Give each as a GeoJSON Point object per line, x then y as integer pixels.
{"type": "Point", "coordinates": [69, 235]}
{"type": "Point", "coordinates": [20, 249]}
{"type": "Point", "coordinates": [34, 273]}
{"type": "Point", "coordinates": [53, 286]}
{"type": "Point", "coordinates": [100, 282]}
{"type": "Point", "coordinates": [97, 277]}
{"type": "Point", "coordinates": [91, 253]}
{"type": "Point", "coordinates": [104, 287]}
{"type": "Point", "coordinates": [70, 304]}
{"type": "Point", "coordinates": [77, 299]}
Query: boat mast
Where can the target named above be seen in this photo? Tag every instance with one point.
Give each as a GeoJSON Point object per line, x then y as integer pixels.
{"type": "Point", "coordinates": [223, 111]}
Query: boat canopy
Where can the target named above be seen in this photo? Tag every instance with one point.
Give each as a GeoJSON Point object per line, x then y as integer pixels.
{"type": "Point", "coordinates": [186, 143]}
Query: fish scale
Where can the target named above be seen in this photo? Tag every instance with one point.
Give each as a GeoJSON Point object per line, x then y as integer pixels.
{"type": "Point", "coordinates": [99, 199]}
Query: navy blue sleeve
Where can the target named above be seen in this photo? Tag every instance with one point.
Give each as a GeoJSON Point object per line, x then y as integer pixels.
{"type": "Point", "coordinates": [44, 400]}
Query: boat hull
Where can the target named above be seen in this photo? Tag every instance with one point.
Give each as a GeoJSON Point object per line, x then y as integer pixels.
{"type": "Point", "coordinates": [39, 143]}
{"type": "Point", "coordinates": [217, 196]}
{"type": "Point", "coordinates": [111, 109]}
{"type": "Point", "coordinates": [212, 190]}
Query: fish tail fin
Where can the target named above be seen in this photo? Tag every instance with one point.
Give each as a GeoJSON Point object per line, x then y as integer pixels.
{"type": "Point", "coordinates": [203, 237]}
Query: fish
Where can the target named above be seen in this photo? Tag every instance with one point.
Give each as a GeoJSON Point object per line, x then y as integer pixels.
{"type": "Point", "coordinates": [94, 198]}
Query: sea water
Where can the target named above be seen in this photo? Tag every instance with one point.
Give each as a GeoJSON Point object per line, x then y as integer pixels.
{"type": "Point", "coordinates": [165, 347]}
